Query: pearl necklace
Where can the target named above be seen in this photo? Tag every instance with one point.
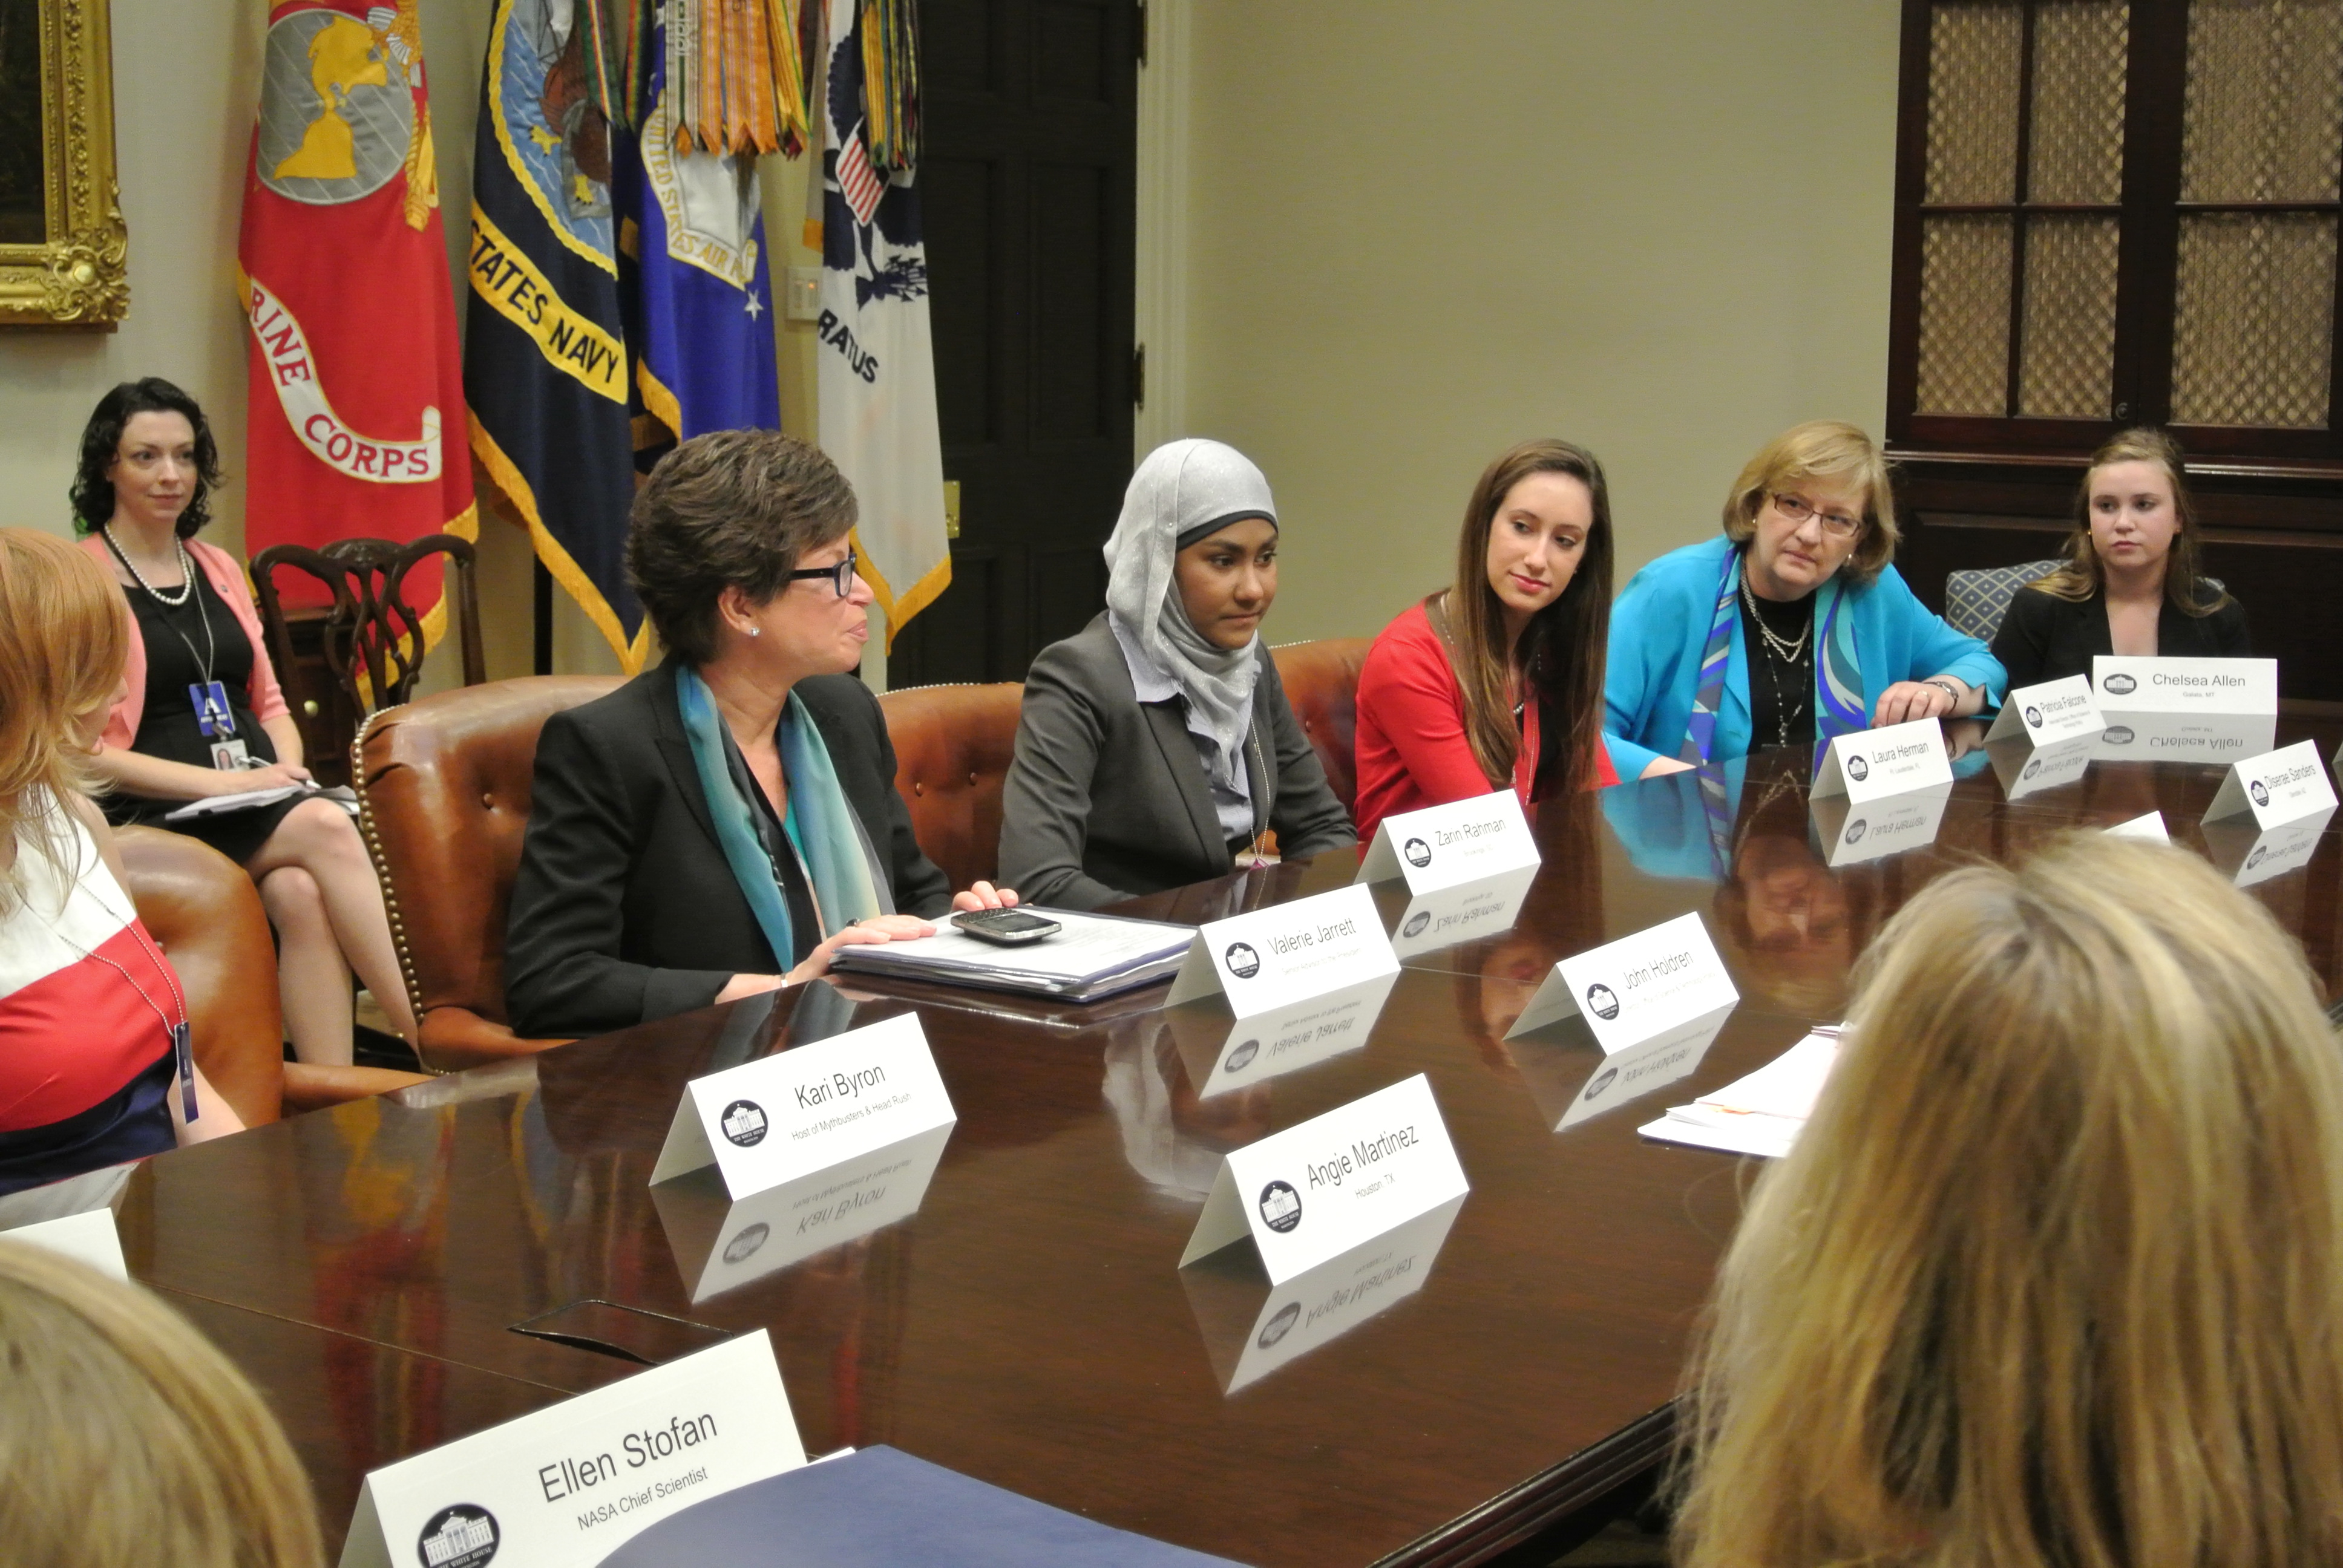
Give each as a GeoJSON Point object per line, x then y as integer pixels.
{"type": "Point", "coordinates": [186, 569]}
{"type": "Point", "coordinates": [1787, 652]}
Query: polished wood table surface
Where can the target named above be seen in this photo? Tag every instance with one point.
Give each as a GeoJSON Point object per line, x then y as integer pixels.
{"type": "Point", "coordinates": [1029, 1325]}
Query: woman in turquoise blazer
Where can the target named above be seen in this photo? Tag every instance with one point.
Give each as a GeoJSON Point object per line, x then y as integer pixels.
{"type": "Point", "coordinates": [1793, 627]}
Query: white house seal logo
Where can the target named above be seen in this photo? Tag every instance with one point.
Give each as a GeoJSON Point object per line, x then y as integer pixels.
{"type": "Point", "coordinates": [2122, 685]}
{"type": "Point", "coordinates": [2260, 791]}
{"type": "Point", "coordinates": [2034, 717]}
{"type": "Point", "coordinates": [463, 1535]}
{"type": "Point", "coordinates": [1602, 1001]}
{"type": "Point", "coordinates": [744, 1122]}
{"type": "Point", "coordinates": [1242, 1057]}
{"type": "Point", "coordinates": [1856, 767]}
{"type": "Point", "coordinates": [338, 111]}
{"type": "Point", "coordinates": [1278, 1327]}
{"type": "Point", "coordinates": [1243, 961]}
{"type": "Point", "coordinates": [1280, 1207]}
{"type": "Point", "coordinates": [742, 1246]}
{"type": "Point", "coordinates": [1602, 1080]}
{"type": "Point", "coordinates": [1418, 853]}
{"type": "Point", "coordinates": [1857, 829]}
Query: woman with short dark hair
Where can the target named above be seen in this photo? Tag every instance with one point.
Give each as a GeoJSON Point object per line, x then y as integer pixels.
{"type": "Point", "coordinates": [722, 824]}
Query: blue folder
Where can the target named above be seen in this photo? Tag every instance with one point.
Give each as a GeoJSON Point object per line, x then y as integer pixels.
{"type": "Point", "coordinates": [882, 1508]}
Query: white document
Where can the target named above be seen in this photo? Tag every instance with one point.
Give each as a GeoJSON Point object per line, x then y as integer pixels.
{"type": "Point", "coordinates": [1443, 846]}
{"type": "Point", "coordinates": [1851, 834]}
{"type": "Point", "coordinates": [2247, 855]}
{"type": "Point", "coordinates": [1220, 1055]}
{"type": "Point", "coordinates": [1762, 1113]}
{"type": "Point", "coordinates": [2150, 827]}
{"type": "Point", "coordinates": [1873, 764]}
{"type": "Point", "coordinates": [218, 805]}
{"type": "Point", "coordinates": [2198, 686]}
{"type": "Point", "coordinates": [1337, 1296]}
{"type": "Point", "coordinates": [795, 1113]}
{"type": "Point", "coordinates": [2023, 772]}
{"type": "Point", "coordinates": [1276, 957]}
{"type": "Point", "coordinates": [1460, 914]}
{"type": "Point", "coordinates": [89, 1237]}
{"type": "Point", "coordinates": [2277, 788]}
{"type": "Point", "coordinates": [721, 1246]}
{"type": "Point", "coordinates": [1334, 1182]}
{"type": "Point", "coordinates": [2053, 710]}
{"type": "Point", "coordinates": [1663, 981]}
{"type": "Point", "coordinates": [2184, 736]}
{"type": "Point", "coordinates": [566, 1486]}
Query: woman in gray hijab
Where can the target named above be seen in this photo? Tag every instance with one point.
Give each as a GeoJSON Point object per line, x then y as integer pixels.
{"type": "Point", "coordinates": [1157, 748]}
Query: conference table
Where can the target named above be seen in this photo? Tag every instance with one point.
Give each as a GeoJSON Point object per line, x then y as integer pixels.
{"type": "Point", "coordinates": [399, 1272]}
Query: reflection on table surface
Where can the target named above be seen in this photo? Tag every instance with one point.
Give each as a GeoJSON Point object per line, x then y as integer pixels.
{"type": "Point", "coordinates": [1025, 1323]}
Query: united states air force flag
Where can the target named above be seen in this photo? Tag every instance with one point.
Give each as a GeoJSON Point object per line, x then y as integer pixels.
{"type": "Point", "coordinates": [877, 381]}
{"type": "Point", "coordinates": [545, 361]}
{"type": "Point", "coordinates": [691, 249]}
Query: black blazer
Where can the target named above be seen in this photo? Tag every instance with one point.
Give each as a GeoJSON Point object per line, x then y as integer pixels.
{"type": "Point", "coordinates": [625, 909]}
{"type": "Point", "coordinates": [2046, 637]}
{"type": "Point", "coordinates": [1107, 797]}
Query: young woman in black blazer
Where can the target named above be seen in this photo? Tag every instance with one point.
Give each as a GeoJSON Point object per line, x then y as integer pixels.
{"type": "Point", "coordinates": [2130, 584]}
{"type": "Point", "coordinates": [722, 824]}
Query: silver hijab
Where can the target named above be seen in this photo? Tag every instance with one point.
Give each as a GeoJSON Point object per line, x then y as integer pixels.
{"type": "Point", "coordinates": [1185, 491]}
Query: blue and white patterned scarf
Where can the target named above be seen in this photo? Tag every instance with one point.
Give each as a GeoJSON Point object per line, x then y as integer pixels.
{"type": "Point", "coordinates": [1838, 671]}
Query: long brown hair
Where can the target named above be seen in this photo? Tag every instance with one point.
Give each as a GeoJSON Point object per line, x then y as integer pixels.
{"type": "Point", "coordinates": [1560, 650]}
{"type": "Point", "coordinates": [2081, 578]}
{"type": "Point", "coordinates": [63, 634]}
{"type": "Point", "coordinates": [2054, 1276]}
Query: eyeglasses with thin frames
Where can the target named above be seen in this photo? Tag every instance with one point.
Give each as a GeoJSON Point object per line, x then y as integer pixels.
{"type": "Point", "coordinates": [1838, 525]}
{"type": "Point", "coordinates": [842, 575]}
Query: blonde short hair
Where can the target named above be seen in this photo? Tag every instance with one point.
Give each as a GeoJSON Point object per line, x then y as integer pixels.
{"type": "Point", "coordinates": [65, 633]}
{"type": "Point", "coordinates": [1821, 449]}
{"type": "Point", "coordinates": [129, 1440]}
{"type": "Point", "coordinates": [2055, 1275]}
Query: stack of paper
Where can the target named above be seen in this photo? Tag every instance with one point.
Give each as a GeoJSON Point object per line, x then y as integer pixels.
{"type": "Point", "coordinates": [1094, 955]}
{"type": "Point", "coordinates": [246, 800]}
{"type": "Point", "coordinates": [1762, 1113]}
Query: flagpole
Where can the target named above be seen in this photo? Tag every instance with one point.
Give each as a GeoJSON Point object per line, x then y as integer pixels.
{"type": "Point", "coordinates": [544, 617]}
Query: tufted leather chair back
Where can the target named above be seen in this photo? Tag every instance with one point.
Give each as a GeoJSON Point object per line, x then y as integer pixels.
{"type": "Point", "coordinates": [446, 785]}
{"type": "Point", "coordinates": [952, 748]}
{"type": "Point", "coordinates": [1322, 685]}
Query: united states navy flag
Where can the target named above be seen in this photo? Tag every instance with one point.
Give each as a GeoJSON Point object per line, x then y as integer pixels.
{"type": "Point", "coordinates": [691, 245]}
{"type": "Point", "coordinates": [544, 360]}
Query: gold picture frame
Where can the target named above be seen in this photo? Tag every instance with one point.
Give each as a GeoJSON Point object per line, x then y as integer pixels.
{"type": "Point", "coordinates": [64, 248]}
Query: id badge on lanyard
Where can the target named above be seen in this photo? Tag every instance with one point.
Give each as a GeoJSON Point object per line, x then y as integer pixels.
{"type": "Point", "coordinates": [216, 719]}
{"type": "Point", "coordinates": [183, 1054]}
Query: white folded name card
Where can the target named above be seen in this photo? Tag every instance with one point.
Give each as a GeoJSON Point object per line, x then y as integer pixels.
{"type": "Point", "coordinates": [2053, 710]}
{"type": "Point", "coordinates": [1337, 1296]}
{"type": "Point", "coordinates": [1220, 1055]}
{"type": "Point", "coordinates": [1658, 982]}
{"type": "Point", "coordinates": [1873, 764]}
{"type": "Point", "coordinates": [88, 1238]}
{"type": "Point", "coordinates": [563, 1487]}
{"type": "Point", "coordinates": [1851, 834]}
{"type": "Point", "coordinates": [795, 1113]}
{"type": "Point", "coordinates": [2278, 787]}
{"type": "Point", "coordinates": [1442, 846]}
{"type": "Point", "coordinates": [2247, 855]}
{"type": "Point", "coordinates": [1334, 1182]}
{"type": "Point", "coordinates": [1275, 957]}
{"type": "Point", "coordinates": [2129, 684]}
{"type": "Point", "coordinates": [2150, 826]}
{"type": "Point", "coordinates": [1459, 914]}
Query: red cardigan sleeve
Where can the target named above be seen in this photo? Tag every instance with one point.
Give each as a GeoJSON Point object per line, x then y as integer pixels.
{"type": "Point", "coordinates": [1408, 693]}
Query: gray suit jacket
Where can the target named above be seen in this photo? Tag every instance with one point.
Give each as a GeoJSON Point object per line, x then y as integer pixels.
{"type": "Point", "coordinates": [1107, 798]}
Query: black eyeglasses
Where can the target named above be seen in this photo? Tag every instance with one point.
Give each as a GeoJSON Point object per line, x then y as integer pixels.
{"type": "Point", "coordinates": [842, 575]}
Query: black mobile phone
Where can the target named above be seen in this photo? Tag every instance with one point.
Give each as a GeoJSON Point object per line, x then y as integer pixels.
{"type": "Point", "coordinates": [1010, 927]}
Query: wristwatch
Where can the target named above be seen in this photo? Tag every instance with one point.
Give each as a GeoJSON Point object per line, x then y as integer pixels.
{"type": "Point", "coordinates": [1947, 688]}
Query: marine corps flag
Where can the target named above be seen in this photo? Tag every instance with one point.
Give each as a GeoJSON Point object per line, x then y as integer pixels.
{"type": "Point", "coordinates": [356, 394]}
{"type": "Point", "coordinates": [545, 372]}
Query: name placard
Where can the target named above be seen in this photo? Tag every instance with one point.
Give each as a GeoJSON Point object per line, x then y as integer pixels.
{"type": "Point", "coordinates": [1221, 1056]}
{"type": "Point", "coordinates": [2183, 737]}
{"type": "Point", "coordinates": [2128, 684]}
{"type": "Point", "coordinates": [1873, 764]}
{"type": "Point", "coordinates": [1460, 914]}
{"type": "Point", "coordinates": [1851, 834]}
{"type": "Point", "coordinates": [2247, 855]}
{"type": "Point", "coordinates": [2278, 787]}
{"type": "Point", "coordinates": [565, 1486]}
{"type": "Point", "coordinates": [1461, 841]}
{"type": "Point", "coordinates": [88, 1238]}
{"type": "Point", "coordinates": [2025, 770]}
{"type": "Point", "coordinates": [1334, 1182]}
{"type": "Point", "coordinates": [795, 1113]}
{"type": "Point", "coordinates": [1659, 981]}
{"type": "Point", "coordinates": [2150, 826]}
{"type": "Point", "coordinates": [1276, 957]}
{"type": "Point", "coordinates": [2053, 710]}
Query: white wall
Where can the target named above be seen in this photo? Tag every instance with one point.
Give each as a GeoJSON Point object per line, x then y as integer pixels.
{"type": "Point", "coordinates": [1419, 233]}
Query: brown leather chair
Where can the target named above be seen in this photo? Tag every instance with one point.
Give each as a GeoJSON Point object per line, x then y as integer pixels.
{"type": "Point", "coordinates": [445, 784]}
{"type": "Point", "coordinates": [1321, 683]}
{"type": "Point", "coordinates": [202, 911]}
{"type": "Point", "coordinates": [952, 748]}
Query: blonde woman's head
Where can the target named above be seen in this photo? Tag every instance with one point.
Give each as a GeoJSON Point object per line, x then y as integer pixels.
{"type": "Point", "coordinates": [1826, 451]}
{"type": "Point", "coordinates": [128, 1440]}
{"type": "Point", "coordinates": [2054, 1275]}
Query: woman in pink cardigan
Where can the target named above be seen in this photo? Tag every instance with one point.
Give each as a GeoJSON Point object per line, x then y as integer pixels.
{"type": "Point", "coordinates": [200, 715]}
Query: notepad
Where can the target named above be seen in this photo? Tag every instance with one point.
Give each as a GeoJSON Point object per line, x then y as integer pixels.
{"type": "Point", "coordinates": [1762, 1113]}
{"type": "Point", "coordinates": [1094, 955]}
{"type": "Point", "coordinates": [248, 799]}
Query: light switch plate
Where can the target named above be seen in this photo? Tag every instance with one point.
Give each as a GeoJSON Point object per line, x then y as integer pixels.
{"type": "Point", "coordinates": [804, 301]}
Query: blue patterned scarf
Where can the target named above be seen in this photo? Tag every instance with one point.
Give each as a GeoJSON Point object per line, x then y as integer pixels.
{"type": "Point", "coordinates": [1838, 672]}
{"type": "Point", "coordinates": [841, 871]}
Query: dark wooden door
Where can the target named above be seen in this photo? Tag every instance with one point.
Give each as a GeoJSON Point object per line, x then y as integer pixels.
{"type": "Point", "coordinates": [1027, 192]}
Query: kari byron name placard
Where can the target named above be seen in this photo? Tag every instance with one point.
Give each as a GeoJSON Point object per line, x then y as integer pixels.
{"type": "Point", "coordinates": [1873, 764]}
{"type": "Point", "coordinates": [2052, 711]}
{"type": "Point", "coordinates": [1335, 1182]}
{"type": "Point", "coordinates": [2277, 788]}
{"type": "Point", "coordinates": [1276, 957]}
{"type": "Point", "coordinates": [565, 1486]}
{"type": "Point", "coordinates": [1443, 846]}
{"type": "Point", "coordinates": [1659, 981]}
{"type": "Point", "coordinates": [89, 1237]}
{"type": "Point", "coordinates": [791, 1114]}
{"type": "Point", "coordinates": [2126, 684]}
